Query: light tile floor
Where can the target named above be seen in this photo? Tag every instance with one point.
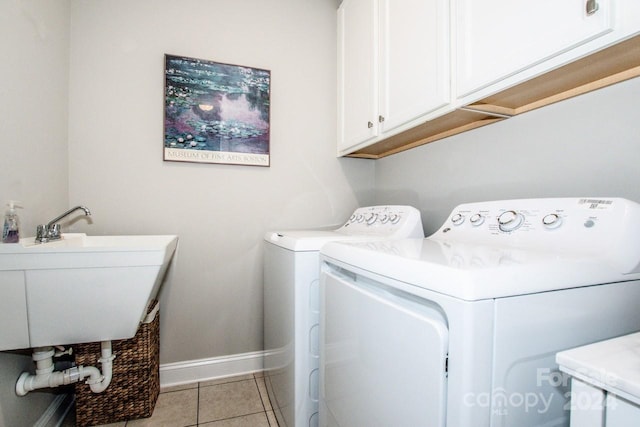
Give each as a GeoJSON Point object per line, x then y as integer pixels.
{"type": "Point", "coordinates": [230, 402]}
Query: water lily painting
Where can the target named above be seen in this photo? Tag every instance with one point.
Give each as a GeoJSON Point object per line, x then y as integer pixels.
{"type": "Point", "coordinates": [215, 112]}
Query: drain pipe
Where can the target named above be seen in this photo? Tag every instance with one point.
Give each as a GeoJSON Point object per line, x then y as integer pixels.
{"type": "Point", "coordinates": [46, 376]}
{"type": "Point", "coordinates": [99, 382]}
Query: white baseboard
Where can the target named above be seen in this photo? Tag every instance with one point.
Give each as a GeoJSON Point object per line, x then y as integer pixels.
{"type": "Point", "coordinates": [207, 369]}
{"type": "Point", "coordinates": [56, 412]}
{"type": "Point", "coordinates": [171, 374]}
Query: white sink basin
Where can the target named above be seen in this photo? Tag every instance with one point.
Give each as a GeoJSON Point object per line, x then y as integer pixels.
{"type": "Point", "coordinates": [78, 289]}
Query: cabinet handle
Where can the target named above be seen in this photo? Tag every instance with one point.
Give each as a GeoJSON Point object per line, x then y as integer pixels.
{"type": "Point", "coordinates": [592, 7]}
{"type": "Point", "coordinates": [370, 125]}
{"type": "Point", "coordinates": [380, 119]}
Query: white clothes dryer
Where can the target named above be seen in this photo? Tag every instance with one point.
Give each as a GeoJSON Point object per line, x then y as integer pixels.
{"type": "Point", "coordinates": [291, 304]}
{"type": "Point", "coordinates": [461, 329]}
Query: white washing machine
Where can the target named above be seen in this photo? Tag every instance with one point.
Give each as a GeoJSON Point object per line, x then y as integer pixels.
{"type": "Point", "coordinates": [291, 304]}
{"type": "Point", "coordinates": [461, 329]}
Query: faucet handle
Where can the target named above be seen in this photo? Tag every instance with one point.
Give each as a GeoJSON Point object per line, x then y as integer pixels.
{"type": "Point", "coordinates": [42, 233]}
{"type": "Point", "coordinates": [54, 232]}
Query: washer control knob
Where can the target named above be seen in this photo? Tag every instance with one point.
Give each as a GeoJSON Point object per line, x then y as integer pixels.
{"type": "Point", "coordinates": [371, 218]}
{"type": "Point", "coordinates": [510, 221]}
{"type": "Point", "coordinates": [457, 219]}
{"type": "Point", "coordinates": [476, 219]}
{"type": "Point", "coordinates": [394, 218]}
{"type": "Point", "coordinates": [384, 218]}
{"type": "Point", "coordinates": [360, 218]}
{"type": "Point", "coordinates": [552, 221]}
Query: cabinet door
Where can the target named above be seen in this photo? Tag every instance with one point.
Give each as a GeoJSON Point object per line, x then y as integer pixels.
{"type": "Point", "coordinates": [414, 59]}
{"type": "Point", "coordinates": [498, 38]}
{"type": "Point", "coordinates": [621, 412]}
{"type": "Point", "coordinates": [357, 72]}
{"type": "Point", "coordinates": [13, 311]}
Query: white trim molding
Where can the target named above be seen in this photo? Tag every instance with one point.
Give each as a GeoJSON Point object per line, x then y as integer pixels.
{"type": "Point", "coordinates": [172, 374]}
{"type": "Point", "coordinates": [191, 371]}
{"type": "Point", "coordinates": [57, 411]}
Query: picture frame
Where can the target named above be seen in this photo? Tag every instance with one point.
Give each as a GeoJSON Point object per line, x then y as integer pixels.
{"type": "Point", "coordinates": [216, 112]}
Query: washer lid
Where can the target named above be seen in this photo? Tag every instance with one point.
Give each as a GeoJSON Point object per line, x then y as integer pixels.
{"type": "Point", "coordinates": [305, 240]}
{"type": "Point", "coordinates": [367, 223]}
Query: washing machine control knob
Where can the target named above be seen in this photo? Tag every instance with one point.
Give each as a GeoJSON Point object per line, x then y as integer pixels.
{"type": "Point", "coordinates": [394, 218]}
{"type": "Point", "coordinates": [457, 219]}
{"type": "Point", "coordinates": [476, 219]}
{"type": "Point", "coordinates": [552, 221]}
{"type": "Point", "coordinates": [384, 218]}
{"type": "Point", "coordinates": [371, 218]}
{"type": "Point", "coordinates": [510, 221]}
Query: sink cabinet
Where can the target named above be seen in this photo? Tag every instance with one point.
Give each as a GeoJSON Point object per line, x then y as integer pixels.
{"type": "Point", "coordinates": [393, 67]}
{"type": "Point", "coordinates": [605, 382]}
{"type": "Point", "coordinates": [592, 406]}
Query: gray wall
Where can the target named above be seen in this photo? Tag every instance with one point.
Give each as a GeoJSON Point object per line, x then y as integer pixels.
{"type": "Point", "coordinates": [33, 137]}
{"type": "Point", "coordinates": [588, 145]}
{"type": "Point", "coordinates": [212, 304]}
{"type": "Point", "coordinates": [34, 108]}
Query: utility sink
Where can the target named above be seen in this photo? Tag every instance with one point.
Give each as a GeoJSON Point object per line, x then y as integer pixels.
{"type": "Point", "coordinates": [78, 289]}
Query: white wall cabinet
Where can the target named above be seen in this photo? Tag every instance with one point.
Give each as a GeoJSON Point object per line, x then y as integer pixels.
{"type": "Point", "coordinates": [357, 72]}
{"type": "Point", "coordinates": [499, 38]}
{"type": "Point", "coordinates": [393, 67]}
{"type": "Point", "coordinates": [414, 71]}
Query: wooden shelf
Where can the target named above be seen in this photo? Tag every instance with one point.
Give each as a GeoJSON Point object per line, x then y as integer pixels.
{"type": "Point", "coordinates": [449, 124]}
{"type": "Point", "coordinates": [604, 68]}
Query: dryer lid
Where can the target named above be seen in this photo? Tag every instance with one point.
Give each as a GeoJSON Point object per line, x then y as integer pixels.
{"type": "Point", "coordinates": [596, 241]}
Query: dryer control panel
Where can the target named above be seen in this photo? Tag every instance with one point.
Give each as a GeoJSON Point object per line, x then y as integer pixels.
{"type": "Point", "coordinates": [392, 221]}
{"type": "Point", "coordinates": [589, 225]}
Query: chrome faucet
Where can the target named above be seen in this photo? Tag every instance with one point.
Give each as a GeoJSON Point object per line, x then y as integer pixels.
{"type": "Point", "coordinates": [51, 230]}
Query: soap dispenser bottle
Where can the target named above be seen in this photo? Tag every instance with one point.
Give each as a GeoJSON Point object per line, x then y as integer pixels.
{"type": "Point", "coordinates": [11, 229]}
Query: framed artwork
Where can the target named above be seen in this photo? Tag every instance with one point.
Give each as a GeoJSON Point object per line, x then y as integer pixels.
{"type": "Point", "coordinates": [215, 113]}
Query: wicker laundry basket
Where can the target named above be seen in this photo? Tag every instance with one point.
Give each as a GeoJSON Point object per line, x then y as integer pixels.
{"type": "Point", "coordinates": [135, 384]}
